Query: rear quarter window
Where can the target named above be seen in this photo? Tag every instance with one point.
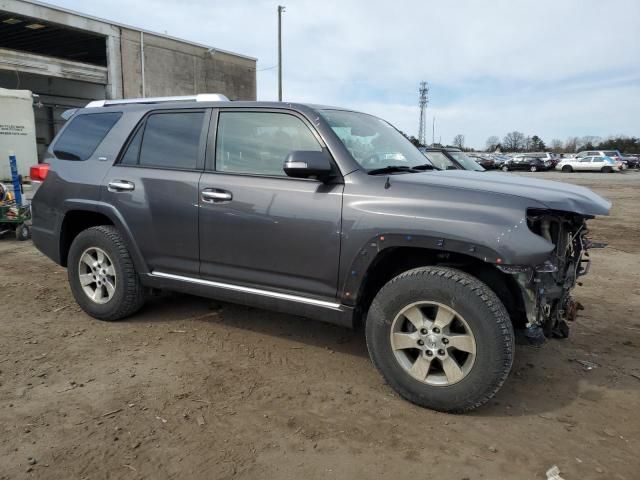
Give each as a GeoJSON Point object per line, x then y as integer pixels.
{"type": "Point", "coordinates": [83, 135]}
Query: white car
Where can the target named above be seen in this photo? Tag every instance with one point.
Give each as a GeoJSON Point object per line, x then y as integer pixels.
{"type": "Point", "coordinates": [588, 164]}
{"type": "Point", "coordinates": [615, 155]}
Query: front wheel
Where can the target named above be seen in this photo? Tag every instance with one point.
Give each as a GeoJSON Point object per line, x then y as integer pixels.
{"type": "Point", "coordinates": [533, 168]}
{"type": "Point", "coordinates": [441, 338]}
{"type": "Point", "coordinates": [102, 276]}
{"type": "Point", "coordinates": [505, 169]}
{"type": "Point", "coordinates": [606, 170]}
{"type": "Point", "coordinates": [567, 169]}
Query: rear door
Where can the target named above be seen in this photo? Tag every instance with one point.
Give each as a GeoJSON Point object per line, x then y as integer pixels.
{"type": "Point", "coordinates": [585, 164]}
{"type": "Point", "coordinates": [154, 187]}
{"type": "Point", "coordinates": [258, 227]}
{"type": "Point", "coordinates": [598, 162]}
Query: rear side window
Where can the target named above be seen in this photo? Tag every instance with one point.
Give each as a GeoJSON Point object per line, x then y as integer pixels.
{"type": "Point", "coordinates": [83, 135]}
{"type": "Point", "coordinates": [166, 140]}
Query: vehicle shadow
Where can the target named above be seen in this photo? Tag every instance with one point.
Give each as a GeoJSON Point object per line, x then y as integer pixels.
{"type": "Point", "coordinates": [177, 307]}
{"type": "Point", "coordinates": [542, 382]}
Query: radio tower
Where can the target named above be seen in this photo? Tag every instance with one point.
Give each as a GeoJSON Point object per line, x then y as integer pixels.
{"type": "Point", "coordinates": [424, 100]}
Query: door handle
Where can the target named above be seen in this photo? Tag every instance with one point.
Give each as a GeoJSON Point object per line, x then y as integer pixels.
{"type": "Point", "coordinates": [212, 195]}
{"type": "Point", "coordinates": [120, 186]}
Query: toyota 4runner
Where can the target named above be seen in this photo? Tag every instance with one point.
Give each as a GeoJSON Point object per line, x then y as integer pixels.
{"type": "Point", "coordinates": [320, 212]}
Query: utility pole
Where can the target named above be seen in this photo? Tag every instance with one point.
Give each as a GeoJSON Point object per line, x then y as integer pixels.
{"type": "Point", "coordinates": [280, 10]}
{"type": "Point", "coordinates": [423, 99]}
{"type": "Point", "coordinates": [433, 131]}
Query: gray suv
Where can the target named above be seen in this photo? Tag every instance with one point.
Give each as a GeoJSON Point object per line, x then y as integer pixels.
{"type": "Point", "coordinates": [321, 212]}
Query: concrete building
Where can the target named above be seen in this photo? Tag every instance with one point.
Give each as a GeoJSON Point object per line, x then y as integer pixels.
{"type": "Point", "coordinates": [68, 59]}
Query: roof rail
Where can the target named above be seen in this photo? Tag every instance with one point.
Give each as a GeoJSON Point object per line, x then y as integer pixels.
{"type": "Point", "coordinates": [201, 97]}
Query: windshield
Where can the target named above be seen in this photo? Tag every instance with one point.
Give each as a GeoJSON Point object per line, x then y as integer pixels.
{"type": "Point", "coordinates": [440, 160]}
{"type": "Point", "coordinates": [372, 142]}
{"type": "Point", "coordinates": [466, 162]}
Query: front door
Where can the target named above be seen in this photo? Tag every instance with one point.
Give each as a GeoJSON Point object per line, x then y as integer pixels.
{"type": "Point", "coordinates": [154, 187]}
{"type": "Point", "coordinates": [259, 227]}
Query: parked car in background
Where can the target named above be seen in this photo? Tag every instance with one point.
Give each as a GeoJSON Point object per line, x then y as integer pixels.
{"type": "Point", "coordinates": [484, 161]}
{"type": "Point", "coordinates": [632, 159]}
{"type": "Point", "coordinates": [525, 162]}
{"type": "Point", "coordinates": [450, 158]}
{"type": "Point", "coordinates": [544, 156]}
{"type": "Point", "coordinates": [499, 160]}
{"type": "Point", "coordinates": [597, 153]}
{"type": "Point", "coordinates": [552, 158]}
{"type": "Point", "coordinates": [589, 164]}
{"type": "Point", "coordinates": [613, 154]}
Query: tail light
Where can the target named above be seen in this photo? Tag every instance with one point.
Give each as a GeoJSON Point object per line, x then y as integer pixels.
{"type": "Point", "coordinates": [39, 172]}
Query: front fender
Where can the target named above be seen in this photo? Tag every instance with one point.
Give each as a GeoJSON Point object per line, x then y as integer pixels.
{"type": "Point", "coordinates": [490, 227]}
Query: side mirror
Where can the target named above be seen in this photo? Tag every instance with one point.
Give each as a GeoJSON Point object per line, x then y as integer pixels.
{"type": "Point", "coordinates": [308, 164]}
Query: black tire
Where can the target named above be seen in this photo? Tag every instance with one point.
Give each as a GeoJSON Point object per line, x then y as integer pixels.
{"type": "Point", "coordinates": [128, 296]}
{"type": "Point", "coordinates": [483, 313]}
{"type": "Point", "coordinates": [606, 170]}
{"type": "Point", "coordinates": [567, 169]}
{"type": "Point", "coordinates": [23, 232]}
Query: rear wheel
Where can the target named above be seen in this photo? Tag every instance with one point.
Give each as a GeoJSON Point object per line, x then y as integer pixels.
{"type": "Point", "coordinates": [505, 168]}
{"type": "Point", "coordinates": [441, 338]}
{"type": "Point", "coordinates": [533, 168]}
{"type": "Point", "coordinates": [567, 169]}
{"type": "Point", "coordinates": [102, 276]}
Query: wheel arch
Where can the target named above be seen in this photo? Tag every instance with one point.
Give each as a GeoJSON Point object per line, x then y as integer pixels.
{"type": "Point", "coordinates": [78, 218]}
{"type": "Point", "coordinates": [394, 260]}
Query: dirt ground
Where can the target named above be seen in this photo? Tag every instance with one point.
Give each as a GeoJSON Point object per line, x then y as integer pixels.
{"type": "Point", "coordinates": [186, 389]}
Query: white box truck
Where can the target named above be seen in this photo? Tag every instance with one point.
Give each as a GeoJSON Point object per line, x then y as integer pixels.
{"type": "Point", "coordinates": [17, 131]}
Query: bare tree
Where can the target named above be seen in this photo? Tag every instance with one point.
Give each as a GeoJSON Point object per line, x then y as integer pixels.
{"type": "Point", "coordinates": [492, 143]}
{"type": "Point", "coordinates": [588, 142]}
{"type": "Point", "coordinates": [556, 145]}
{"type": "Point", "coordinates": [458, 141]}
{"type": "Point", "coordinates": [513, 141]}
{"type": "Point", "coordinates": [571, 144]}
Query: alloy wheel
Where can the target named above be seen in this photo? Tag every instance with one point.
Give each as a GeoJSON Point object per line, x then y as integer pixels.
{"type": "Point", "coordinates": [97, 275]}
{"type": "Point", "coordinates": [433, 343]}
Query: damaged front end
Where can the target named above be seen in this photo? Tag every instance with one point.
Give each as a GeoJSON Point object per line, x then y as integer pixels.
{"type": "Point", "coordinates": [546, 288]}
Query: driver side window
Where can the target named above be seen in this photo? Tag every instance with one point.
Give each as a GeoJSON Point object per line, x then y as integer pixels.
{"type": "Point", "coordinates": [258, 143]}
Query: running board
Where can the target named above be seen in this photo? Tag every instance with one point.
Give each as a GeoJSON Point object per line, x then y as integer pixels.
{"type": "Point", "coordinates": [253, 291]}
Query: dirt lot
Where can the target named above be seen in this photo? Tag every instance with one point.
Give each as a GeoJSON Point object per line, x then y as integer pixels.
{"type": "Point", "coordinates": [189, 390]}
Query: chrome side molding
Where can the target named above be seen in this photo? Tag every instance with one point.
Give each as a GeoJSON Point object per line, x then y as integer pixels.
{"type": "Point", "coordinates": [249, 290]}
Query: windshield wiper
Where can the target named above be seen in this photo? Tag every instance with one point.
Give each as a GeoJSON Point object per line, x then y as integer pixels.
{"type": "Point", "coordinates": [392, 169]}
{"type": "Point", "coordinates": [425, 166]}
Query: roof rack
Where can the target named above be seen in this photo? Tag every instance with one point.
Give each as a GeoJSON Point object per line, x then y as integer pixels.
{"type": "Point", "coordinates": [201, 97]}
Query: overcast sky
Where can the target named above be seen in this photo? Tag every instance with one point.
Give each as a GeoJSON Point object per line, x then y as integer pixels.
{"type": "Point", "coordinates": [553, 68]}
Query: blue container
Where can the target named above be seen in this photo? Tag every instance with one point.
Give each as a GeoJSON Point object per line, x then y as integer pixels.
{"type": "Point", "coordinates": [15, 178]}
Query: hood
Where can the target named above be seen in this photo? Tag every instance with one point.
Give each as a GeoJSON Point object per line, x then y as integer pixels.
{"type": "Point", "coordinates": [554, 195]}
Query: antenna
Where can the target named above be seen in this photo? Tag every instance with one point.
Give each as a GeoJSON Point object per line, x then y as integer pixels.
{"type": "Point", "coordinates": [423, 101]}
